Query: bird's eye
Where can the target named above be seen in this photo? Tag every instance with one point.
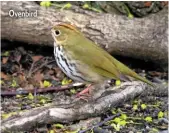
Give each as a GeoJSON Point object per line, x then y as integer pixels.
{"type": "Point", "coordinates": [57, 32]}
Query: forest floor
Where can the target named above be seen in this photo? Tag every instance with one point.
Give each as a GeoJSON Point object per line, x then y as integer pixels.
{"type": "Point", "coordinates": [29, 74]}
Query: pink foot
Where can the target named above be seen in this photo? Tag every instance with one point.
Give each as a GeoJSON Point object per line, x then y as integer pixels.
{"type": "Point", "coordinates": [84, 93]}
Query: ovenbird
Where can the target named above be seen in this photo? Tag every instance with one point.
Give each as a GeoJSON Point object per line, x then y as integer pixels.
{"type": "Point", "coordinates": [82, 60]}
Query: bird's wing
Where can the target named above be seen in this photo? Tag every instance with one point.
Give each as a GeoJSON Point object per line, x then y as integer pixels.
{"type": "Point", "coordinates": [96, 58]}
{"type": "Point", "coordinates": [101, 62]}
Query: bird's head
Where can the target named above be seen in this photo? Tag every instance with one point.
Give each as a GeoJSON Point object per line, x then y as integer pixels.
{"type": "Point", "coordinates": [64, 34]}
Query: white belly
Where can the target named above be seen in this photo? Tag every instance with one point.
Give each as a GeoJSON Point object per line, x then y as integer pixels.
{"type": "Point", "coordinates": [67, 66]}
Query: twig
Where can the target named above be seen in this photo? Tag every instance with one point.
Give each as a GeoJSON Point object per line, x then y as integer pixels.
{"type": "Point", "coordinates": [40, 90]}
{"type": "Point", "coordinates": [42, 65]}
{"type": "Point", "coordinates": [30, 70]}
{"type": "Point", "coordinates": [101, 123]}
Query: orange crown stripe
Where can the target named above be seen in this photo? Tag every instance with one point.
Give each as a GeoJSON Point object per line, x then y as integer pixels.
{"type": "Point", "coordinates": [71, 27]}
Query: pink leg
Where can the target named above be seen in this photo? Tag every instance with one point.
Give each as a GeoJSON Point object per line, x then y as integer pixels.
{"type": "Point", "coordinates": [85, 92]}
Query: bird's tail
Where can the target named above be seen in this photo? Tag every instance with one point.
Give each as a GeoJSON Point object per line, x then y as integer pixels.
{"type": "Point", "coordinates": [136, 76]}
{"type": "Point", "coordinates": [127, 71]}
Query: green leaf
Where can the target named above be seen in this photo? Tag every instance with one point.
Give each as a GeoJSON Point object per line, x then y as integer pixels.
{"type": "Point", "coordinates": [66, 81]}
{"type": "Point", "coordinates": [91, 131]}
{"type": "Point", "coordinates": [86, 6]}
{"type": "Point", "coordinates": [51, 131]}
{"type": "Point", "coordinates": [130, 15]}
{"type": "Point", "coordinates": [18, 96]}
{"type": "Point", "coordinates": [66, 6]}
{"type": "Point", "coordinates": [135, 101]}
{"type": "Point", "coordinates": [45, 3]}
{"type": "Point", "coordinates": [128, 12]}
{"type": "Point", "coordinates": [1, 82]}
{"type": "Point", "coordinates": [14, 84]}
{"type": "Point", "coordinates": [123, 116]}
{"type": "Point", "coordinates": [118, 82]}
{"type": "Point", "coordinates": [154, 130]}
{"type": "Point", "coordinates": [117, 120]}
{"type": "Point", "coordinates": [143, 106]}
{"type": "Point", "coordinates": [46, 84]}
{"type": "Point", "coordinates": [122, 123]}
{"type": "Point", "coordinates": [113, 111]}
{"type": "Point", "coordinates": [73, 91]}
{"type": "Point", "coordinates": [7, 115]}
{"type": "Point", "coordinates": [58, 125]}
{"type": "Point", "coordinates": [95, 9]}
{"type": "Point", "coordinates": [43, 101]}
{"type": "Point", "coordinates": [160, 114]}
{"type": "Point", "coordinates": [148, 119]}
{"type": "Point", "coordinates": [6, 53]}
{"type": "Point", "coordinates": [131, 121]}
{"type": "Point", "coordinates": [135, 107]}
{"type": "Point", "coordinates": [119, 110]}
{"type": "Point", "coordinates": [30, 96]}
{"type": "Point", "coordinates": [116, 127]}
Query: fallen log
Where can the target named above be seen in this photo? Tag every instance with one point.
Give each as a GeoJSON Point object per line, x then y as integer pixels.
{"type": "Point", "coordinates": [72, 109]}
{"type": "Point", "coordinates": [144, 38]}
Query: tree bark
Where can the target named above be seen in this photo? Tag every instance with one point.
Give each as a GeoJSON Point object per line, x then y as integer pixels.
{"type": "Point", "coordinates": [144, 38]}
{"type": "Point", "coordinates": [71, 109]}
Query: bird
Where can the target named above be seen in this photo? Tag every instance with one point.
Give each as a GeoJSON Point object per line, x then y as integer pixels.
{"type": "Point", "coordinates": [84, 61]}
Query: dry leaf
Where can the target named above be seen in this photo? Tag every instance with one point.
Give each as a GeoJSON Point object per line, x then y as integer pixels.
{"type": "Point", "coordinates": [51, 72]}
{"type": "Point", "coordinates": [22, 81]}
{"type": "Point", "coordinates": [36, 58]}
{"type": "Point", "coordinates": [38, 76]}
{"type": "Point", "coordinates": [33, 82]}
{"type": "Point", "coordinates": [147, 4]}
{"type": "Point", "coordinates": [22, 77]}
{"type": "Point", "coordinates": [41, 84]}
{"type": "Point", "coordinates": [29, 87]}
{"type": "Point", "coordinates": [4, 60]}
{"type": "Point", "coordinates": [58, 73]}
{"type": "Point", "coordinates": [154, 73]}
{"type": "Point", "coordinates": [18, 58]}
{"type": "Point", "coordinates": [4, 76]}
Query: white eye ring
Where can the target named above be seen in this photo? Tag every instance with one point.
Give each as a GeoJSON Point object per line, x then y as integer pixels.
{"type": "Point", "coordinates": [57, 32]}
